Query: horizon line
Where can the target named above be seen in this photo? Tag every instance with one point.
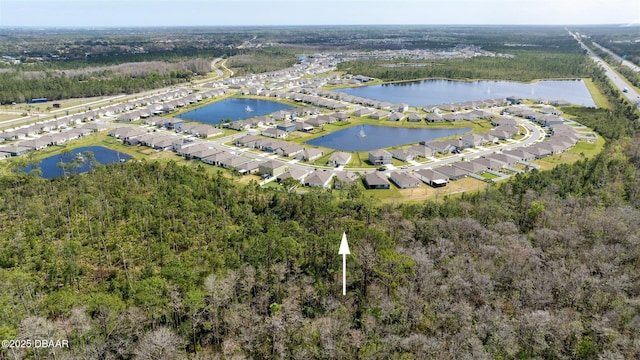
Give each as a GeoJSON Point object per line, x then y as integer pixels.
{"type": "Point", "coordinates": [292, 25]}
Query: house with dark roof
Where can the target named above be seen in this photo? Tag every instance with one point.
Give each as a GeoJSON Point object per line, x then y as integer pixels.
{"type": "Point", "coordinates": [376, 180]}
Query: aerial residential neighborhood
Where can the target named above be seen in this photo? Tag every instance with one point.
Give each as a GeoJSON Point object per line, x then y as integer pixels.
{"type": "Point", "coordinates": [189, 180]}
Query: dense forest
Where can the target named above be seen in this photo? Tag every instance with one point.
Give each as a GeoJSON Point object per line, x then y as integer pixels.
{"type": "Point", "coordinates": [144, 260]}
{"type": "Point", "coordinates": [20, 87]}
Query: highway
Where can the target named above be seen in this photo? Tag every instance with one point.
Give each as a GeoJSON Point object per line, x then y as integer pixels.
{"type": "Point", "coordinates": [632, 95]}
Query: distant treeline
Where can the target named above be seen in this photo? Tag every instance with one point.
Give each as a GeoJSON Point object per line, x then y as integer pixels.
{"type": "Point", "coordinates": [524, 66]}
{"type": "Point", "coordinates": [57, 86]}
{"type": "Point", "coordinates": [256, 61]}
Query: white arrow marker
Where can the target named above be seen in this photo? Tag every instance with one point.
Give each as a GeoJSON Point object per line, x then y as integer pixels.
{"type": "Point", "coordinates": [344, 250]}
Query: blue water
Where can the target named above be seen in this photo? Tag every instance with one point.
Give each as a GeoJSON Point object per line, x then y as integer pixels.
{"type": "Point", "coordinates": [377, 137]}
{"type": "Point", "coordinates": [50, 168]}
{"type": "Point", "coordinates": [436, 92]}
{"type": "Point", "coordinates": [233, 109]}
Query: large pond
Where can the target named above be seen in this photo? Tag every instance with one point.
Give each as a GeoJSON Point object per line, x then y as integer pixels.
{"type": "Point", "coordinates": [233, 109]}
{"type": "Point", "coordinates": [371, 137]}
{"type": "Point", "coordinates": [77, 161]}
{"type": "Point", "coordinates": [436, 92]}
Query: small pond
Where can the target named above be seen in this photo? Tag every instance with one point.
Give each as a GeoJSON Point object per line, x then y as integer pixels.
{"type": "Point", "coordinates": [78, 161]}
{"type": "Point", "coordinates": [233, 109]}
{"type": "Point", "coordinates": [371, 137]}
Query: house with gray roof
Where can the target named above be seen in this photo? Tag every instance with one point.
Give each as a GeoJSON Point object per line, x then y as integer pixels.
{"type": "Point", "coordinates": [379, 115]}
{"type": "Point", "coordinates": [362, 112]}
{"type": "Point", "coordinates": [421, 151]}
{"type": "Point", "coordinates": [380, 157]}
{"type": "Point", "coordinates": [414, 117]}
{"type": "Point", "coordinates": [431, 177]}
{"type": "Point", "coordinates": [403, 154]}
{"type": "Point", "coordinates": [472, 166]}
{"type": "Point", "coordinates": [309, 154]}
{"type": "Point", "coordinates": [319, 178]}
{"type": "Point", "coordinates": [316, 121]}
{"type": "Point", "coordinates": [490, 163]}
{"type": "Point", "coordinates": [339, 158]}
{"type": "Point", "coordinates": [376, 180]}
{"type": "Point", "coordinates": [433, 117]}
{"type": "Point", "coordinates": [503, 158]}
{"type": "Point", "coordinates": [125, 133]}
{"type": "Point", "coordinates": [296, 174]}
{"type": "Point", "coordinates": [250, 167]}
{"type": "Point", "coordinates": [444, 146]}
{"type": "Point", "coordinates": [216, 158]}
{"type": "Point", "coordinates": [15, 149]}
{"type": "Point", "coordinates": [188, 151]}
{"type": "Point", "coordinates": [247, 140]}
{"type": "Point", "coordinates": [289, 149]}
{"type": "Point", "coordinates": [303, 126]}
{"type": "Point", "coordinates": [274, 133]}
{"type": "Point", "coordinates": [344, 179]}
{"type": "Point", "coordinates": [520, 154]}
{"type": "Point", "coordinates": [35, 144]}
{"type": "Point", "coordinates": [404, 180]}
{"type": "Point", "coordinates": [272, 168]}
{"type": "Point", "coordinates": [452, 172]}
{"type": "Point", "coordinates": [233, 162]}
{"type": "Point", "coordinates": [396, 116]}
{"type": "Point", "coordinates": [472, 140]}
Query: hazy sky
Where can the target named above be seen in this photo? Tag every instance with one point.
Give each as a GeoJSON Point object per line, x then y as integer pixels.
{"type": "Point", "coordinates": [118, 13]}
